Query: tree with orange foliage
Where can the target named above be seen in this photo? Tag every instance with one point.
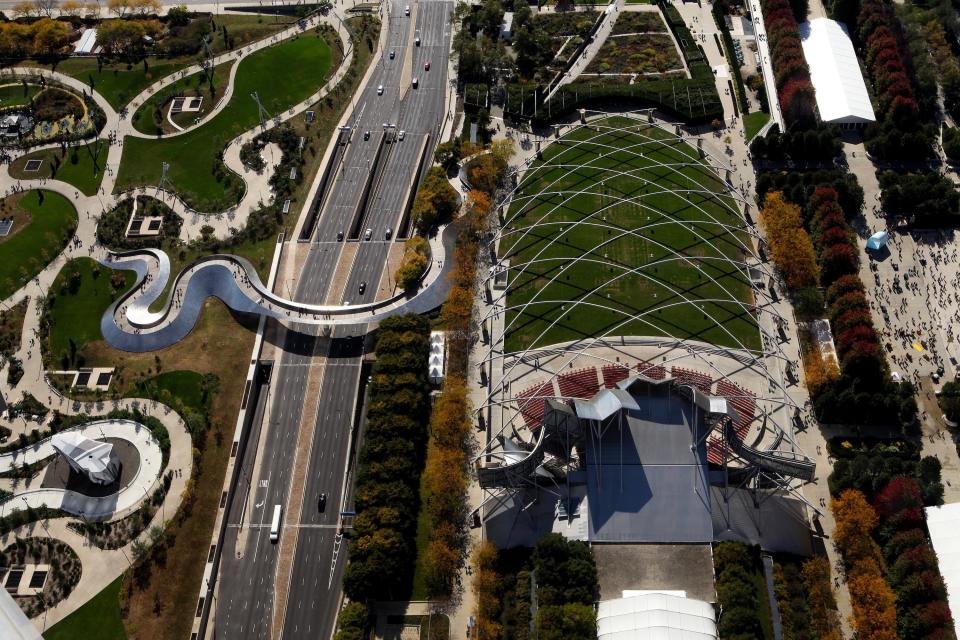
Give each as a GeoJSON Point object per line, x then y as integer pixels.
{"type": "Point", "coordinates": [855, 519]}
{"type": "Point", "coordinates": [790, 244]}
{"type": "Point", "coordinates": [817, 371]}
{"type": "Point", "coordinates": [820, 598]}
{"type": "Point", "coordinates": [486, 592]}
{"type": "Point", "coordinates": [874, 614]}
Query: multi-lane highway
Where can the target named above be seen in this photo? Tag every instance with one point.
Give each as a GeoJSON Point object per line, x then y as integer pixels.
{"type": "Point", "coordinates": [244, 605]}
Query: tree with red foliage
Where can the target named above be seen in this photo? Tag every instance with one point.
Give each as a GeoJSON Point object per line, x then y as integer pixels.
{"type": "Point", "coordinates": [838, 260]}
{"type": "Point", "coordinates": [898, 494]}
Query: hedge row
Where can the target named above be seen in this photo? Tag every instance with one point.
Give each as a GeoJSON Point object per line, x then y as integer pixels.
{"type": "Point", "coordinates": [912, 571]}
{"type": "Point", "coordinates": [382, 546]}
{"type": "Point", "coordinates": [737, 594]}
{"type": "Point", "coordinates": [899, 132]}
{"type": "Point", "coordinates": [871, 598]}
{"type": "Point", "coordinates": [792, 75]}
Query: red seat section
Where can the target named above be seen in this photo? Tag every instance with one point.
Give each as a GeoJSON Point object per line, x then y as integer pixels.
{"type": "Point", "coordinates": [581, 383]}
{"type": "Point", "coordinates": [651, 371]}
{"type": "Point", "coordinates": [614, 373]}
{"type": "Point", "coordinates": [687, 376]}
{"type": "Point", "coordinates": [533, 403]}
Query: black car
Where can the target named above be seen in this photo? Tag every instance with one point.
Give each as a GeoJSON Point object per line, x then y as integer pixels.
{"type": "Point", "coordinates": [322, 503]}
{"type": "Point", "coordinates": [366, 135]}
{"type": "Point", "coordinates": [363, 287]}
{"type": "Point", "coordinates": [339, 236]}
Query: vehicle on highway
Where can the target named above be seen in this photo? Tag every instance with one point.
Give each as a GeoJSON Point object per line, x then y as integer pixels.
{"type": "Point", "coordinates": [389, 232]}
{"type": "Point", "coordinates": [339, 236]}
{"type": "Point", "coordinates": [368, 234]}
{"type": "Point", "coordinates": [380, 90]}
{"type": "Point", "coordinates": [366, 135]}
{"type": "Point", "coordinates": [401, 134]}
{"type": "Point", "coordinates": [322, 503]}
{"type": "Point", "coordinates": [416, 81]}
{"type": "Point", "coordinates": [392, 54]}
{"type": "Point", "coordinates": [426, 66]}
{"type": "Point", "coordinates": [416, 40]}
{"type": "Point", "coordinates": [363, 287]}
{"type": "Point", "coordinates": [406, 10]}
{"type": "Point", "coordinates": [275, 523]}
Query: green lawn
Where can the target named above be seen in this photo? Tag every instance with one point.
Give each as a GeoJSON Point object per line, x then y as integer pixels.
{"type": "Point", "coordinates": [657, 253]}
{"type": "Point", "coordinates": [80, 166]}
{"type": "Point", "coordinates": [98, 619]}
{"type": "Point", "coordinates": [26, 252]}
{"type": "Point", "coordinates": [193, 85]}
{"type": "Point", "coordinates": [77, 304]}
{"type": "Point", "coordinates": [115, 82]}
{"type": "Point", "coordinates": [193, 156]}
{"type": "Point", "coordinates": [14, 94]}
{"type": "Point", "coordinates": [185, 386]}
{"type": "Point", "coordinates": [753, 122]}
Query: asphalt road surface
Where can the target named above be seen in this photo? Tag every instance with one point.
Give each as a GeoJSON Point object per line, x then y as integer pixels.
{"type": "Point", "coordinates": [244, 605]}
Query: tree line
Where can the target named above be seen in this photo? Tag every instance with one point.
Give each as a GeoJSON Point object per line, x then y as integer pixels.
{"type": "Point", "coordinates": [382, 544]}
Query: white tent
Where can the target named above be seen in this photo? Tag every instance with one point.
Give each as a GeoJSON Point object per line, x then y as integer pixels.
{"type": "Point", "coordinates": [842, 96]}
{"type": "Point", "coordinates": [91, 457]}
{"type": "Point", "coordinates": [944, 525]}
{"type": "Point", "coordinates": [656, 616]}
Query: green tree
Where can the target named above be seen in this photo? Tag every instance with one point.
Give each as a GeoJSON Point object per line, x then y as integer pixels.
{"type": "Point", "coordinates": [571, 621]}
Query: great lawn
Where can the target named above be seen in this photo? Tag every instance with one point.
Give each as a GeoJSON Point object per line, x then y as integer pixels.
{"type": "Point", "coordinates": [661, 244]}
{"type": "Point", "coordinates": [282, 76]}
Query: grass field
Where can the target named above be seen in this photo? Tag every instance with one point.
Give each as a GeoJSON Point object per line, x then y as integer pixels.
{"type": "Point", "coordinates": [14, 94]}
{"type": "Point", "coordinates": [192, 156]}
{"type": "Point", "coordinates": [119, 82]}
{"type": "Point", "coordinates": [655, 255]}
{"type": "Point", "coordinates": [44, 230]}
{"type": "Point", "coordinates": [98, 619]}
{"type": "Point", "coordinates": [85, 174]}
{"type": "Point", "coordinates": [753, 122]}
{"type": "Point", "coordinates": [75, 310]}
{"type": "Point", "coordinates": [193, 85]}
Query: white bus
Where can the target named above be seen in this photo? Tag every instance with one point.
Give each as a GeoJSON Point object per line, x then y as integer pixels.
{"type": "Point", "coordinates": [275, 525]}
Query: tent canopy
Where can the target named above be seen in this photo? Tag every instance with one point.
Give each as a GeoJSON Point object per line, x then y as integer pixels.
{"type": "Point", "coordinates": [841, 93]}
{"type": "Point", "coordinates": [878, 241]}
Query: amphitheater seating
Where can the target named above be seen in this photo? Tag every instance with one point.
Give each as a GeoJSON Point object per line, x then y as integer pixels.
{"type": "Point", "coordinates": [533, 405]}
{"type": "Point", "coordinates": [743, 401]}
{"type": "Point", "coordinates": [614, 373]}
{"type": "Point", "coordinates": [581, 383]}
{"type": "Point", "coordinates": [687, 376]}
{"type": "Point", "coordinates": [652, 371]}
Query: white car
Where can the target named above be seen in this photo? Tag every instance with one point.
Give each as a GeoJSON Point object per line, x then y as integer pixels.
{"type": "Point", "coordinates": [368, 234]}
{"type": "Point", "coordinates": [380, 90]}
{"type": "Point", "coordinates": [406, 10]}
{"type": "Point", "coordinates": [401, 134]}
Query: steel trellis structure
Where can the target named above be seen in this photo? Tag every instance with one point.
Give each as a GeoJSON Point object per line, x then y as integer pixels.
{"type": "Point", "coordinates": [733, 252]}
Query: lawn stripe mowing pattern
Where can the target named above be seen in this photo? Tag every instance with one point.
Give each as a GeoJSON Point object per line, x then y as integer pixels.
{"type": "Point", "coordinates": [25, 253]}
{"type": "Point", "coordinates": [282, 75]}
{"type": "Point", "coordinates": [619, 199]}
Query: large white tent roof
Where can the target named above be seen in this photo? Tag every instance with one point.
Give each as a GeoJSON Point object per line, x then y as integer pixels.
{"type": "Point", "coordinates": [944, 525]}
{"type": "Point", "coordinates": [656, 616]}
{"type": "Point", "coordinates": [842, 96]}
